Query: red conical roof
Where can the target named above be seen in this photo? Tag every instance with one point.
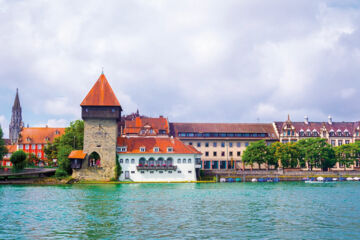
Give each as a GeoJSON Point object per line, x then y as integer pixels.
{"type": "Point", "coordinates": [101, 94]}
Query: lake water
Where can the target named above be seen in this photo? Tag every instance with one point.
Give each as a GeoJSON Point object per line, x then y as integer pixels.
{"type": "Point", "coordinates": [288, 210]}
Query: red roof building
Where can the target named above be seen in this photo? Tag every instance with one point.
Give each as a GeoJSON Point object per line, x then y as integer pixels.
{"type": "Point", "coordinates": [144, 126]}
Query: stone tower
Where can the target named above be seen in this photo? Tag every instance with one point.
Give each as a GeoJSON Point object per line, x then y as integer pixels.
{"type": "Point", "coordinates": [101, 111]}
{"type": "Point", "coordinates": [16, 120]}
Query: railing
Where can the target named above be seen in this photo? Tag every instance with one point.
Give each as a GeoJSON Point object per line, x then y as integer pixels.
{"type": "Point", "coordinates": [156, 167]}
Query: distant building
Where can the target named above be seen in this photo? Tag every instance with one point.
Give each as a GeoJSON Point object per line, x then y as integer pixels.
{"type": "Point", "coordinates": [222, 144]}
{"type": "Point", "coordinates": [34, 140]}
{"type": "Point", "coordinates": [16, 120]}
{"type": "Point", "coordinates": [336, 133]}
{"type": "Point", "coordinates": [154, 159]}
{"type": "Point", "coordinates": [6, 160]}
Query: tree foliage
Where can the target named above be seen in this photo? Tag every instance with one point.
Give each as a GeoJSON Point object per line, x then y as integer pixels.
{"type": "Point", "coordinates": [256, 152]}
{"type": "Point", "coordinates": [346, 154]}
{"type": "Point", "coordinates": [3, 149]}
{"type": "Point", "coordinates": [72, 139]}
{"type": "Point", "coordinates": [18, 159]}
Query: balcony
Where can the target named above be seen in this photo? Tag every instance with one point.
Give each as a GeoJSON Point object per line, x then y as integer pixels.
{"type": "Point", "coordinates": [145, 167]}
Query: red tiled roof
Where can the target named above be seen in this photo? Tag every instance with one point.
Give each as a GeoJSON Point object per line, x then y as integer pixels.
{"type": "Point", "coordinates": [136, 125]}
{"type": "Point", "coordinates": [133, 145]}
{"type": "Point", "coordinates": [335, 126]}
{"type": "Point", "coordinates": [11, 148]}
{"type": "Point", "coordinates": [77, 154]}
{"type": "Point", "coordinates": [223, 128]}
{"type": "Point", "coordinates": [39, 135]}
{"type": "Point", "coordinates": [101, 94]}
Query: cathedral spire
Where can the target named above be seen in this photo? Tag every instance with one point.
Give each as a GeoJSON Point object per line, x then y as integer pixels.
{"type": "Point", "coordinates": [16, 120]}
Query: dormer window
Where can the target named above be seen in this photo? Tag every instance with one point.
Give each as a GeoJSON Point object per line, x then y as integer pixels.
{"type": "Point", "coordinates": [332, 133]}
{"type": "Point", "coordinates": [339, 132]}
{"type": "Point", "coordinates": [156, 149]}
{"type": "Point", "coordinates": [170, 149]}
{"type": "Point", "coordinates": [308, 133]}
{"type": "Point", "coordinates": [122, 149]}
{"type": "Point", "coordinates": [346, 132]}
{"type": "Point", "coordinates": [47, 139]}
{"type": "Point", "coordinates": [57, 132]}
{"type": "Point", "coordinates": [142, 149]}
{"type": "Point", "coordinates": [28, 139]}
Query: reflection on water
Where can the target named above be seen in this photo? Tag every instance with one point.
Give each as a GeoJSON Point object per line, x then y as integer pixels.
{"type": "Point", "coordinates": [181, 211]}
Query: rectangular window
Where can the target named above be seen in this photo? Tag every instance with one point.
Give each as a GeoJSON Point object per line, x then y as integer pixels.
{"type": "Point", "coordinates": [190, 172]}
{"type": "Point", "coordinates": [132, 161]}
{"type": "Point", "coordinates": [222, 144]}
{"type": "Point", "coordinates": [170, 172]}
{"type": "Point", "coordinates": [179, 160]}
{"type": "Point", "coordinates": [142, 172]}
{"type": "Point", "coordinates": [39, 146]}
{"type": "Point", "coordinates": [184, 160]}
{"type": "Point", "coordinates": [39, 155]}
{"type": "Point", "coordinates": [156, 149]}
{"type": "Point", "coordinates": [27, 146]}
{"type": "Point", "coordinates": [347, 141]}
{"type": "Point", "coordinates": [238, 144]}
{"type": "Point", "coordinates": [333, 143]}
{"type": "Point", "coordinates": [230, 154]}
{"type": "Point", "coordinates": [214, 144]}
{"type": "Point", "coordinates": [238, 154]}
{"type": "Point", "coordinates": [190, 143]}
{"type": "Point", "coordinates": [206, 144]}
{"type": "Point", "coordinates": [189, 160]}
{"type": "Point", "coordinates": [32, 146]}
{"type": "Point", "coordinates": [198, 144]}
{"type": "Point", "coordinates": [170, 149]}
{"type": "Point", "coordinates": [127, 161]}
{"type": "Point", "coordinates": [142, 149]}
{"type": "Point", "coordinates": [121, 160]}
{"type": "Point", "coordinates": [206, 154]}
{"type": "Point", "coordinates": [214, 154]}
{"type": "Point", "coordinates": [161, 171]}
{"type": "Point", "coordinates": [324, 133]}
{"type": "Point", "coordinates": [230, 144]}
{"type": "Point", "coordinates": [132, 171]}
{"type": "Point", "coordinates": [340, 142]}
{"type": "Point", "coordinates": [179, 171]}
{"type": "Point", "coordinates": [21, 147]}
{"type": "Point", "coordinates": [151, 172]}
{"type": "Point", "coordinates": [223, 154]}
{"type": "Point", "coordinates": [246, 144]}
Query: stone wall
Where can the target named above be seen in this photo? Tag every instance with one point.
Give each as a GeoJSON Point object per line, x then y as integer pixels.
{"type": "Point", "coordinates": [100, 136]}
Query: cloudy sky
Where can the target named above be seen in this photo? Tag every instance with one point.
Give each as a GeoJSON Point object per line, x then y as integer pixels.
{"type": "Point", "coordinates": [201, 61]}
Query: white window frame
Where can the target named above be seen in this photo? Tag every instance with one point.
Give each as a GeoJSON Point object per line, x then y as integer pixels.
{"type": "Point", "coordinates": [142, 149]}
{"type": "Point", "coordinates": [156, 149]}
{"type": "Point", "coordinates": [170, 149]}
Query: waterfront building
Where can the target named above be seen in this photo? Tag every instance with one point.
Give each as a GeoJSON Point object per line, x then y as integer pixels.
{"type": "Point", "coordinates": [146, 126]}
{"type": "Point", "coordinates": [222, 144]}
{"type": "Point", "coordinates": [16, 120]}
{"type": "Point", "coordinates": [336, 133]}
{"type": "Point", "coordinates": [157, 159]}
{"type": "Point", "coordinates": [34, 139]}
{"type": "Point", "coordinates": [6, 160]}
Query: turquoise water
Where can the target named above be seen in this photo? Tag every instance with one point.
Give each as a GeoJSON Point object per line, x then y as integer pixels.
{"type": "Point", "coordinates": [182, 211]}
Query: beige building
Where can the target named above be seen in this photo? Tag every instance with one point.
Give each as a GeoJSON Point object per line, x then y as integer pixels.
{"type": "Point", "coordinates": [222, 144]}
{"type": "Point", "coordinates": [336, 133]}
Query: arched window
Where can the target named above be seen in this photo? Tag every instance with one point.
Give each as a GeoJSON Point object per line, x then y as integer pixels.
{"type": "Point", "coordinates": [94, 160]}
{"type": "Point", "coordinates": [151, 162]}
{"type": "Point", "coordinates": [142, 162]}
{"type": "Point", "coordinates": [160, 162]}
{"type": "Point", "coordinates": [169, 161]}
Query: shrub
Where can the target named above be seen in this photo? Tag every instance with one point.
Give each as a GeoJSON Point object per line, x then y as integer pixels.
{"type": "Point", "coordinates": [61, 173]}
{"type": "Point", "coordinates": [18, 160]}
{"type": "Point", "coordinates": [117, 170]}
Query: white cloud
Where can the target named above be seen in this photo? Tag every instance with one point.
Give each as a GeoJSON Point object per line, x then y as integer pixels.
{"type": "Point", "coordinates": [62, 123]}
{"type": "Point", "coordinates": [61, 106]}
{"type": "Point", "coordinates": [4, 124]}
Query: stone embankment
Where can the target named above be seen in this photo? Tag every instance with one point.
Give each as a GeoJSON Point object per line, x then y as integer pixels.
{"type": "Point", "coordinates": [283, 175]}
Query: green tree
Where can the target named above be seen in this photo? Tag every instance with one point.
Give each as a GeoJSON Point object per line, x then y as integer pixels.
{"type": "Point", "coordinates": [270, 157]}
{"type": "Point", "coordinates": [255, 153]}
{"type": "Point", "coordinates": [18, 159]}
{"type": "Point", "coordinates": [3, 149]}
{"type": "Point", "coordinates": [72, 139]}
{"type": "Point", "coordinates": [346, 154]}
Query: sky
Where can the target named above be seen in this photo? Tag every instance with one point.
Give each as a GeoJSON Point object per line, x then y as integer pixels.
{"type": "Point", "coordinates": [191, 61]}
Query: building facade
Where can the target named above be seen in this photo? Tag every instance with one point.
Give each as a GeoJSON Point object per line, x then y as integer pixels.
{"type": "Point", "coordinates": [222, 144]}
{"type": "Point", "coordinates": [154, 159]}
{"type": "Point", "coordinates": [33, 140]}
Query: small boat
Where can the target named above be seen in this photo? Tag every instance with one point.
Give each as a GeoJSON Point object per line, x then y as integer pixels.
{"type": "Point", "coordinates": [356, 179]}
{"type": "Point", "coordinates": [269, 180]}
{"type": "Point", "coordinates": [349, 179]}
{"type": "Point", "coordinates": [254, 180]}
{"type": "Point", "coordinates": [334, 179]}
{"type": "Point", "coordinates": [222, 180]}
{"type": "Point", "coordinates": [320, 179]}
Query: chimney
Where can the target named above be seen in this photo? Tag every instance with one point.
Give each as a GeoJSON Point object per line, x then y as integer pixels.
{"type": "Point", "coordinates": [330, 119]}
{"type": "Point", "coordinates": [306, 119]}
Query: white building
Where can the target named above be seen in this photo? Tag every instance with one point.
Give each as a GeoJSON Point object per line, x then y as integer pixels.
{"type": "Point", "coordinates": [157, 159]}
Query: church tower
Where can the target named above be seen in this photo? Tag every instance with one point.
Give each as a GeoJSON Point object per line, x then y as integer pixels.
{"type": "Point", "coordinates": [16, 120]}
{"type": "Point", "coordinates": [101, 111]}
